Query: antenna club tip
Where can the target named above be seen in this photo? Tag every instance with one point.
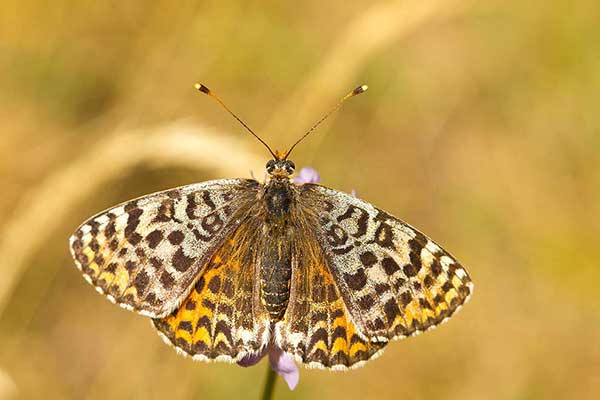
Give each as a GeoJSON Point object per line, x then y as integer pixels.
{"type": "Point", "coordinates": [201, 88]}
{"type": "Point", "coordinates": [360, 89]}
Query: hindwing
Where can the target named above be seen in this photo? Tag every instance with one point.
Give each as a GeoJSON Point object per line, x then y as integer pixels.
{"type": "Point", "coordinates": [222, 318]}
{"type": "Point", "coordinates": [317, 328]}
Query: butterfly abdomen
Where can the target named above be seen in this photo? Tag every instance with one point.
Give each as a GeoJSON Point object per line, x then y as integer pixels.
{"type": "Point", "coordinates": [276, 259]}
{"type": "Point", "coordinates": [275, 276]}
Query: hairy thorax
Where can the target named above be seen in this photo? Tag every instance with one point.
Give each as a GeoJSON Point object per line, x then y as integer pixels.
{"type": "Point", "coordinates": [276, 261]}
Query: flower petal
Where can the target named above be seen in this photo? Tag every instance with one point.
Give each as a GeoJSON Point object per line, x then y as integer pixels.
{"type": "Point", "coordinates": [284, 365]}
{"type": "Point", "coordinates": [307, 175]}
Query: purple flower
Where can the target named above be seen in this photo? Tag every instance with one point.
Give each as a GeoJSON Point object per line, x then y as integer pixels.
{"type": "Point", "coordinates": [307, 175]}
{"type": "Point", "coordinates": [310, 175]}
{"type": "Point", "coordinates": [280, 361]}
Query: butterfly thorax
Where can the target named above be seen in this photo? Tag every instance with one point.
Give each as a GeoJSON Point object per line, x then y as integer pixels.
{"type": "Point", "coordinates": [276, 261]}
{"type": "Point", "coordinates": [278, 197]}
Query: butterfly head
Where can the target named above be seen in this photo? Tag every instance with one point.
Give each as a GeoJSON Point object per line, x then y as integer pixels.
{"type": "Point", "coordinates": [280, 168]}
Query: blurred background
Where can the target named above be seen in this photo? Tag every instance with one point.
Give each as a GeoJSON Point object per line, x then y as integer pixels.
{"type": "Point", "coordinates": [480, 128]}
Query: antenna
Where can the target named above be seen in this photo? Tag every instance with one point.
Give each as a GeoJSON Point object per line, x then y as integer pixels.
{"type": "Point", "coordinates": [355, 92]}
{"type": "Point", "coordinates": [203, 89]}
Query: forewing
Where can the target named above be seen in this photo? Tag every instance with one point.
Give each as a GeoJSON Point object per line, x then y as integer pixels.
{"type": "Point", "coordinates": [222, 317]}
{"type": "Point", "coordinates": [393, 279]}
{"type": "Point", "coordinates": [317, 328]}
{"type": "Point", "coordinates": [146, 253]}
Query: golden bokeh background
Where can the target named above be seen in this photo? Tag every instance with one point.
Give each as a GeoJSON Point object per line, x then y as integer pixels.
{"type": "Point", "coordinates": [481, 128]}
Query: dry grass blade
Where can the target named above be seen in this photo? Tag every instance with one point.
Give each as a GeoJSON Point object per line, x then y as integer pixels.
{"type": "Point", "coordinates": [371, 31]}
{"type": "Point", "coordinates": [46, 206]}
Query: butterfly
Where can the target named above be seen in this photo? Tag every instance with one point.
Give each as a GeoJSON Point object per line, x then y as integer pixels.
{"type": "Point", "coordinates": [227, 267]}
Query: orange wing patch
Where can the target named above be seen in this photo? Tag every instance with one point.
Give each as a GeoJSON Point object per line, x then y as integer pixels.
{"type": "Point", "coordinates": [220, 318]}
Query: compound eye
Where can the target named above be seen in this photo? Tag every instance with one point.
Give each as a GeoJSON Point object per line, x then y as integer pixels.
{"type": "Point", "coordinates": [270, 166]}
{"type": "Point", "coordinates": [290, 166]}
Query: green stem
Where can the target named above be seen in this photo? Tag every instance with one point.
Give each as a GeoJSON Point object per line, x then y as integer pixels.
{"type": "Point", "coordinates": [269, 384]}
